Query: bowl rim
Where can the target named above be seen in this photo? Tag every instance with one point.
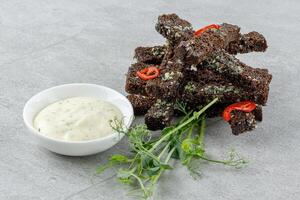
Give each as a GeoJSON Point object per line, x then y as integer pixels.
{"type": "Point", "coordinates": [108, 137]}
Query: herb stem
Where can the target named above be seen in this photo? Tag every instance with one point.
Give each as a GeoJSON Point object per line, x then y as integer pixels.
{"type": "Point", "coordinates": [140, 182]}
{"type": "Point", "coordinates": [169, 155]}
{"type": "Point", "coordinates": [145, 151]}
{"type": "Point", "coordinates": [195, 116]}
{"type": "Point", "coordinates": [202, 131]}
{"type": "Point", "coordinates": [191, 130]}
{"type": "Point", "coordinates": [164, 150]}
{"type": "Point", "coordinates": [185, 117]}
{"type": "Point", "coordinates": [133, 161]}
{"type": "Point", "coordinates": [166, 162]}
{"type": "Point", "coordinates": [215, 161]}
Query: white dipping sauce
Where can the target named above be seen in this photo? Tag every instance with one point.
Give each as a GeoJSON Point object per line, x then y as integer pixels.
{"type": "Point", "coordinates": [77, 119]}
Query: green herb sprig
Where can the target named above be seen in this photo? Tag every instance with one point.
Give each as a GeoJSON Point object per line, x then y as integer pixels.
{"type": "Point", "coordinates": [151, 156]}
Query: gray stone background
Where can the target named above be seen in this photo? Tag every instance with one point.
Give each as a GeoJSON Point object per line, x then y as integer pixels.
{"type": "Point", "coordinates": [44, 43]}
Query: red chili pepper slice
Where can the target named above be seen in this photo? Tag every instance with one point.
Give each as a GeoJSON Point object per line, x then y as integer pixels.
{"type": "Point", "coordinates": [246, 106]}
{"type": "Point", "coordinates": [148, 73]}
{"type": "Point", "coordinates": [201, 30]}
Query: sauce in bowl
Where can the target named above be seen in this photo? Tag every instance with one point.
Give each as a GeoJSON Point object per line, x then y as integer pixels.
{"type": "Point", "coordinates": [77, 119]}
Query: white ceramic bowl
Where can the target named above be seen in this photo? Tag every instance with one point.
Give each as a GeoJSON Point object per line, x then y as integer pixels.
{"type": "Point", "coordinates": [76, 148]}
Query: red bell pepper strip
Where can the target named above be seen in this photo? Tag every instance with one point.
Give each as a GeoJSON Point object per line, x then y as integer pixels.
{"type": "Point", "coordinates": [148, 73]}
{"type": "Point", "coordinates": [246, 106]}
{"type": "Point", "coordinates": [201, 30]}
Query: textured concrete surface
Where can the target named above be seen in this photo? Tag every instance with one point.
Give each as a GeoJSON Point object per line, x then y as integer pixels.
{"type": "Point", "coordinates": [47, 43]}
